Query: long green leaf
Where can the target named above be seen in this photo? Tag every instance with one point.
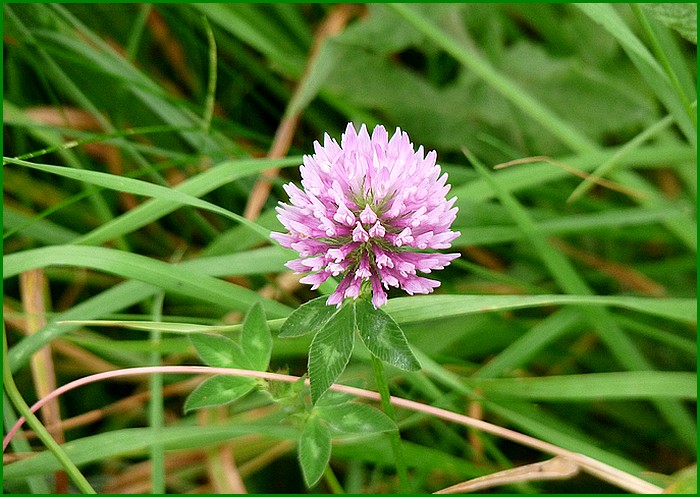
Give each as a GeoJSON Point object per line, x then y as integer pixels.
{"type": "Point", "coordinates": [126, 294]}
{"type": "Point", "coordinates": [169, 277]}
{"type": "Point", "coordinates": [195, 186]}
{"type": "Point", "coordinates": [566, 276]}
{"type": "Point", "coordinates": [138, 187]}
{"type": "Point", "coordinates": [431, 307]}
{"type": "Point", "coordinates": [520, 178]}
{"type": "Point", "coordinates": [533, 421]}
{"type": "Point", "coordinates": [135, 441]}
{"type": "Point", "coordinates": [594, 386]}
{"type": "Point", "coordinates": [650, 69]}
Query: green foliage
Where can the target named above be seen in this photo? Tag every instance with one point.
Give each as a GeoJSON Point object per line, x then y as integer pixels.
{"type": "Point", "coordinates": [355, 419]}
{"type": "Point", "coordinates": [218, 391]}
{"type": "Point", "coordinates": [685, 481]}
{"type": "Point", "coordinates": [314, 449]}
{"type": "Point", "coordinates": [221, 352]}
{"type": "Point", "coordinates": [256, 340]}
{"type": "Point", "coordinates": [334, 332]}
{"type": "Point", "coordinates": [383, 337]}
{"type": "Point", "coordinates": [331, 349]}
{"type": "Point", "coordinates": [683, 17]}
{"type": "Point", "coordinates": [134, 135]}
{"type": "Point", "coordinates": [309, 317]}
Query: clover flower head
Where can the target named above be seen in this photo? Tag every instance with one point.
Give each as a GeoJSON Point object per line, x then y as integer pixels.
{"type": "Point", "coordinates": [369, 208]}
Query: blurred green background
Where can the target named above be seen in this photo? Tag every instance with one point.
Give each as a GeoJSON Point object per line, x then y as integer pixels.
{"type": "Point", "coordinates": [168, 93]}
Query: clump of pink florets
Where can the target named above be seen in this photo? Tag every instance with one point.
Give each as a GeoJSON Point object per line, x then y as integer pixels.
{"type": "Point", "coordinates": [368, 209]}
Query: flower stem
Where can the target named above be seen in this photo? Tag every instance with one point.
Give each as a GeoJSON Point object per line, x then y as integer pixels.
{"type": "Point", "coordinates": [155, 405]}
{"type": "Point", "coordinates": [332, 480]}
{"type": "Point", "coordinates": [43, 434]}
{"type": "Point", "coordinates": [394, 436]}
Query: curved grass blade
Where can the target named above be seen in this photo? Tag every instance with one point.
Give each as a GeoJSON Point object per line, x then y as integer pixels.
{"type": "Point", "coordinates": [169, 277]}
{"type": "Point", "coordinates": [431, 307]}
{"type": "Point", "coordinates": [138, 187]}
{"type": "Point", "coordinates": [594, 386]}
{"type": "Point", "coordinates": [198, 185]}
{"type": "Point", "coordinates": [133, 441]}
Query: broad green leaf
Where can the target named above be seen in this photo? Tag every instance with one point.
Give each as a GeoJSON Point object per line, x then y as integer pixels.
{"type": "Point", "coordinates": [309, 317]}
{"type": "Point", "coordinates": [483, 69]}
{"type": "Point", "coordinates": [256, 339]}
{"type": "Point", "coordinates": [219, 351]}
{"type": "Point", "coordinates": [593, 386]}
{"type": "Point", "coordinates": [356, 419]}
{"type": "Point", "coordinates": [314, 450]}
{"type": "Point", "coordinates": [683, 17]}
{"type": "Point", "coordinates": [330, 350]}
{"type": "Point", "coordinates": [383, 337]}
{"type": "Point", "coordinates": [218, 391]}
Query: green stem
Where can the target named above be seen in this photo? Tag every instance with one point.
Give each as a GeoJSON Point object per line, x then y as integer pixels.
{"type": "Point", "coordinates": [332, 480]}
{"type": "Point", "coordinates": [37, 484]}
{"type": "Point", "coordinates": [36, 425]}
{"type": "Point", "coordinates": [211, 84]}
{"type": "Point", "coordinates": [155, 406]}
{"type": "Point", "coordinates": [395, 436]}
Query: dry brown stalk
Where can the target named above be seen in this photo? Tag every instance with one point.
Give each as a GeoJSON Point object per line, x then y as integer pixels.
{"type": "Point", "coordinates": [333, 24]}
{"type": "Point", "coordinates": [625, 275]}
{"type": "Point", "coordinates": [557, 468]}
{"type": "Point", "coordinates": [611, 185]}
{"type": "Point", "coordinates": [34, 288]}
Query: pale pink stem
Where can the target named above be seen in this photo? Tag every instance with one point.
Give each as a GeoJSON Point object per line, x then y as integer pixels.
{"type": "Point", "coordinates": [601, 470]}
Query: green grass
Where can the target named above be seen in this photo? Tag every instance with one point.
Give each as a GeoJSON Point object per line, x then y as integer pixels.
{"type": "Point", "coordinates": [134, 136]}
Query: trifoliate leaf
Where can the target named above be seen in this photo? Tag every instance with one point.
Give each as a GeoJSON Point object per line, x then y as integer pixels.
{"type": "Point", "coordinates": [219, 351]}
{"type": "Point", "coordinates": [383, 336]}
{"type": "Point", "coordinates": [308, 318]}
{"type": "Point", "coordinates": [356, 419]}
{"type": "Point", "coordinates": [218, 390]}
{"type": "Point", "coordinates": [330, 350]}
{"type": "Point", "coordinates": [256, 339]}
{"type": "Point", "coordinates": [314, 450]}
